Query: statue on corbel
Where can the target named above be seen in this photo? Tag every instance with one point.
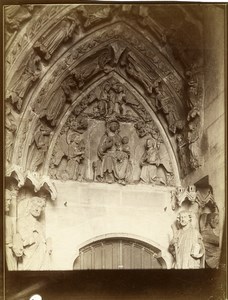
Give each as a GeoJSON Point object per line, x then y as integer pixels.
{"type": "Point", "coordinates": [27, 248]}
{"type": "Point", "coordinates": [187, 245]}
{"type": "Point", "coordinates": [208, 219]}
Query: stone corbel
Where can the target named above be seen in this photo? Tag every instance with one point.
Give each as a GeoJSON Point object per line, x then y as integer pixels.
{"type": "Point", "coordinates": [193, 195]}
{"type": "Point", "coordinates": [37, 182]}
{"type": "Point", "coordinates": [17, 173]}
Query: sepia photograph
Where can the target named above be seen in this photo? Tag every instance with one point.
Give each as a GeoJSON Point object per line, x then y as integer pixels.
{"type": "Point", "coordinates": [114, 157]}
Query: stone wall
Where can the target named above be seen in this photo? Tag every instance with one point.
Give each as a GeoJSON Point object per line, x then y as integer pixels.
{"type": "Point", "coordinates": [85, 211]}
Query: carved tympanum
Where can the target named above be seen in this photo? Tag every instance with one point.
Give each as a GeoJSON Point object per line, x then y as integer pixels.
{"type": "Point", "coordinates": [187, 246]}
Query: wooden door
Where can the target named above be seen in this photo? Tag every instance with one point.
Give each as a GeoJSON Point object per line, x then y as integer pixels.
{"type": "Point", "coordinates": [118, 254]}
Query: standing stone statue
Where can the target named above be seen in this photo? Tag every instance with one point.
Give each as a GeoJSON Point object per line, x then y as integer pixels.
{"type": "Point", "coordinates": [187, 246]}
{"type": "Point", "coordinates": [210, 234]}
{"type": "Point", "coordinates": [11, 259]}
{"type": "Point", "coordinates": [36, 248]}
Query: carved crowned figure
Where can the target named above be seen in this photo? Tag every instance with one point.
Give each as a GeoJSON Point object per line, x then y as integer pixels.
{"type": "Point", "coordinates": [187, 246]}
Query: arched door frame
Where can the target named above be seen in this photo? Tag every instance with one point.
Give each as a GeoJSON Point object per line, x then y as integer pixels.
{"type": "Point", "coordinates": [164, 257]}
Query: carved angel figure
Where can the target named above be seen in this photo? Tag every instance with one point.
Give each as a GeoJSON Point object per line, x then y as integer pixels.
{"type": "Point", "coordinates": [149, 162]}
{"type": "Point", "coordinates": [58, 34]}
{"type": "Point", "coordinates": [187, 246]}
{"type": "Point", "coordinates": [36, 248]}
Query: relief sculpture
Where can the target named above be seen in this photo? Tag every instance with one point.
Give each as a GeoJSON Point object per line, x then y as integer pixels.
{"type": "Point", "coordinates": [68, 161]}
{"type": "Point", "coordinates": [165, 104]}
{"type": "Point", "coordinates": [154, 168]}
{"type": "Point", "coordinates": [11, 250]}
{"type": "Point", "coordinates": [210, 233]}
{"type": "Point", "coordinates": [23, 81]}
{"type": "Point", "coordinates": [187, 245]}
{"type": "Point", "coordinates": [36, 248]}
{"type": "Point", "coordinates": [38, 147]}
{"type": "Point", "coordinates": [10, 130]}
{"type": "Point", "coordinates": [114, 153]}
{"type": "Point", "coordinates": [51, 40]}
{"type": "Point", "coordinates": [93, 14]}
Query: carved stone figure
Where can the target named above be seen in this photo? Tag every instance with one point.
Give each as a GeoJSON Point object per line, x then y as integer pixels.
{"type": "Point", "coordinates": [36, 248]}
{"type": "Point", "coordinates": [94, 65]}
{"type": "Point", "coordinates": [187, 246]}
{"type": "Point", "coordinates": [123, 165]}
{"type": "Point", "coordinates": [51, 107]}
{"type": "Point", "coordinates": [135, 71]}
{"type": "Point", "coordinates": [93, 14]}
{"type": "Point", "coordinates": [193, 93]}
{"type": "Point", "coordinates": [17, 14]}
{"type": "Point", "coordinates": [193, 144]}
{"type": "Point", "coordinates": [58, 34]}
{"type": "Point", "coordinates": [75, 157]}
{"type": "Point", "coordinates": [106, 166]}
{"type": "Point", "coordinates": [38, 147]}
{"type": "Point", "coordinates": [210, 234]}
{"type": "Point", "coordinates": [23, 82]}
{"type": "Point", "coordinates": [10, 227]}
{"type": "Point", "coordinates": [69, 153]}
{"type": "Point", "coordinates": [149, 163]}
{"type": "Point", "coordinates": [10, 130]}
{"type": "Point", "coordinates": [182, 148]}
{"type": "Point", "coordinates": [165, 103]}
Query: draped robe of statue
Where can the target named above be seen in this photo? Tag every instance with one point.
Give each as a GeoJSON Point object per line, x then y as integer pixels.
{"type": "Point", "coordinates": [107, 154]}
{"type": "Point", "coordinates": [149, 162]}
{"type": "Point", "coordinates": [184, 242]}
{"type": "Point", "coordinates": [35, 256]}
{"type": "Point", "coordinates": [123, 166]}
{"type": "Point", "coordinates": [9, 239]}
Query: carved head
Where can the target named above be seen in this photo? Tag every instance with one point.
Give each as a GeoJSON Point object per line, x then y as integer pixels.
{"type": "Point", "coordinates": [37, 205]}
{"type": "Point", "coordinates": [150, 143]}
{"type": "Point", "coordinates": [114, 126]}
{"type": "Point", "coordinates": [184, 218]}
{"type": "Point", "coordinates": [8, 199]}
{"type": "Point", "coordinates": [213, 220]}
{"type": "Point", "coordinates": [125, 140]}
